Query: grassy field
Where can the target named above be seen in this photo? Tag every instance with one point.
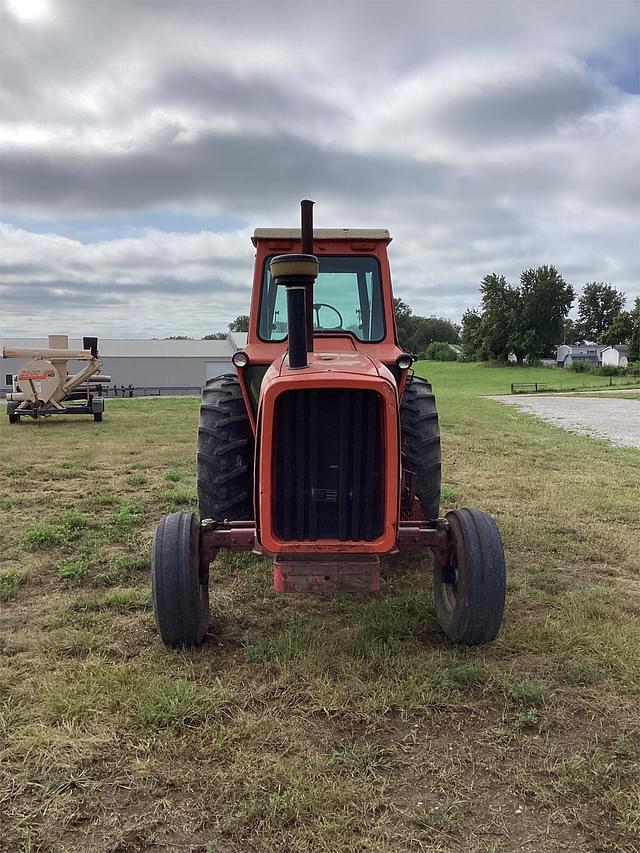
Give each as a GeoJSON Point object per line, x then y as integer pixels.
{"type": "Point", "coordinates": [317, 724]}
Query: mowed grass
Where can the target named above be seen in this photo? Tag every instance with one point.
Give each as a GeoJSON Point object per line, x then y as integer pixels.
{"type": "Point", "coordinates": [327, 723]}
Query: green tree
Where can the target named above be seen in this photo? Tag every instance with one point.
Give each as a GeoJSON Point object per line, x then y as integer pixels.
{"type": "Point", "coordinates": [625, 329]}
{"type": "Point", "coordinates": [215, 336]}
{"type": "Point", "coordinates": [545, 300]}
{"type": "Point", "coordinates": [240, 324]}
{"type": "Point", "coordinates": [471, 336]}
{"type": "Point", "coordinates": [598, 306]}
{"type": "Point", "coordinates": [416, 333]}
{"type": "Point", "coordinates": [426, 330]}
{"type": "Point", "coordinates": [570, 332]}
{"type": "Point", "coordinates": [499, 315]}
{"type": "Point", "coordinates": [405, 323]}
{"type": "Point", "coordinates": [440, 351]}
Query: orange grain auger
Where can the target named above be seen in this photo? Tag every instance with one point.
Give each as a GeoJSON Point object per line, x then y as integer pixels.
{"type": "Point", "coordinates": [324, 450]}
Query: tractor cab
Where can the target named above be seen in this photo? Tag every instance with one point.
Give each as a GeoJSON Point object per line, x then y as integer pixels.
{"type": "Point", "coordinates": [349, 307]}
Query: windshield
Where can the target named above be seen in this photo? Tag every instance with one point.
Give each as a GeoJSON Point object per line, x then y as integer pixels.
{"type": "Point", "coordinates": [347, 297]}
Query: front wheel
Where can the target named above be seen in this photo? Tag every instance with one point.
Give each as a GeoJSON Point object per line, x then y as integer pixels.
{"type": "Point", "coordinates": [469, 588]}
{"type": "Point", "coordinates": [180, 599]}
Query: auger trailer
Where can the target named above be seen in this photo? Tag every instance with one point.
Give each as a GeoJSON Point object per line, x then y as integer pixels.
{"type": "Point", "coordinates": [323, 452]}
{"type": "Point", "coordinates": [45, 386]}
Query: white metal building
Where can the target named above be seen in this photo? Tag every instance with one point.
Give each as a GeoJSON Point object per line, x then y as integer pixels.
{"type": "Point", "coordinates": [149, 366]}
{"type": "Point", "coordinates": [615, 356]}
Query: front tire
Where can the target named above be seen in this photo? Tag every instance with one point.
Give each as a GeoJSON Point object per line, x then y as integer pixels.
{"type": "Point", "coordinates": [469, 589]}
{"type": "Point", "coordinates": [420, 435]}
{"type": "Point", "coordinates": [224, 460]}
{"type": "Point", "coordinates": [180, 600]}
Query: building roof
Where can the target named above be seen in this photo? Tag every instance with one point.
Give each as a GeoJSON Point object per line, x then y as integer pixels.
{"type": "Point", "coordinates": [323, 234]}
{"type": "Point", "coordinates": [128, 348]}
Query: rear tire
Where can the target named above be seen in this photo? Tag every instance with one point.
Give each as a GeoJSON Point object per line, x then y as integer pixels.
{"type": "Point", "coordinates": [11, 411]}
{"type": "Point", "coordinates": [224, 461]}
{"type": "Point", "coordinates": [421, 443]}
{"type": "Point", "coordinates": [180, 600]}
{"type": "Point", "coordinates": [97, 416]}
{"type": "Point", "coordinates": [469, 592]}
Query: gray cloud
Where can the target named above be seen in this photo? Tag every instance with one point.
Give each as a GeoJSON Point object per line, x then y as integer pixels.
{"type": "Point", "coordinates": [484, 136]}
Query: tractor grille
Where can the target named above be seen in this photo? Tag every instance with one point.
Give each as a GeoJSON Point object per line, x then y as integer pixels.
{"type": "Point", "coordinates": [328, 465]}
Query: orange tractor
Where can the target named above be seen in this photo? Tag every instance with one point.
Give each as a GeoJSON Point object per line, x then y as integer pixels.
{"type": "Point", "coordinates": [324, 451]}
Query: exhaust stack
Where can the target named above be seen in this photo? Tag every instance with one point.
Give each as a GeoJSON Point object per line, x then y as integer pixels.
{"type": "Point", "coordinates": [297, 273]}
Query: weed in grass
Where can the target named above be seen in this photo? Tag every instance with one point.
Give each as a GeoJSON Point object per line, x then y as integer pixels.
{"type": "Point", "coordinates": [108, 577]}
{"type": "Point", "coordinates": [174, 475]}
{"type": "Point", "coordinates": [529, 718]}
{"type": "Point", "coordinates": [466, 673]}
{"type": "Point", "coordinates": [42, 535]}
{"type": "Point", "coordinates": [364, 757]}
{"type": "Point", "coordinates": [72, 520]}
{"type": "Point", "coordinates": [137, 480]}
{"type": "Point", "coordinates": [439, 820]}
{"type": "Point", "coordinates": [17, 471]}
{"type": "Point", "coordinates": [63, 473]}
{"type": "Point", "coordinates": [528, 692]}
{"type": "Point", "coordinates": [120, 600]}
{"type": "Point", "coordinates": [101, 500]}
{"type": "Point", "coordinates": [72, 569]}
{"type": "Point", "coordinates": [448, 494]}
{"type": "Point", "coordinates": [133, 562]}
{"type": "Point", "coordinates": [168, 703]}
{"type": "Point", "coordinates": [10, 502]}
{"type": "Point", "coordinates": [179, 499]}
{"type": "Point", "coordinates": [127, 517]}
{"type": "Point", "coordinates": [10, 582]}
{"type": "Point", "coordinates": [579, 673]}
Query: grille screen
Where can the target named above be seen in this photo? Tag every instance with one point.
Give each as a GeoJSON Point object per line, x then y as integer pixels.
{"type": "Point", "coordinates": [328, 465]}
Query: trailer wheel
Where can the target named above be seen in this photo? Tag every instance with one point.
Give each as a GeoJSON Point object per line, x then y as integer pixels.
{"type": "Point", "coordinates": [11, 411]}
{"type": "Point", "coordinates": [469, 591]}
{"type": "Point", "coordinates": [180, 599]}
{"type": "Point", "coordinates": [420, 436]}
{"type": "Point", "coordinates": [224, 460]}
{"type": "Point", "coordinates": [97, 416]}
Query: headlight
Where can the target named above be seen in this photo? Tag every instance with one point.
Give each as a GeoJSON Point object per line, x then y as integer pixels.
{"type": "Point", "coordinates": [240, 359]}
{"type": "Point", "coordinates": [404, 361]}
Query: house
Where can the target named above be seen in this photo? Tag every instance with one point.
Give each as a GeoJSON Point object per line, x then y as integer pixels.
{"type": "Point", "coordinates": [150, 366]}
{"type": "Point", "coordinates": [582, 351]}
{"type": "Point", "coordinates": [615, 356]}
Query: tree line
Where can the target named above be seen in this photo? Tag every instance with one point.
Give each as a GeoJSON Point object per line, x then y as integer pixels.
{"type": "Point", "coordinates": [531, 319]}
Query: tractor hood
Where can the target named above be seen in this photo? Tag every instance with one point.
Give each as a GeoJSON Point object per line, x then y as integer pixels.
{"type": "Point", "coordinates": [327, 466]}
{"type": "Point", "coordinates": [327, 363]}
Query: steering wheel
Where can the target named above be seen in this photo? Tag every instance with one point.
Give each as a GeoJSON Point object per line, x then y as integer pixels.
{"type": "Point", "coordinates": [317, 306]}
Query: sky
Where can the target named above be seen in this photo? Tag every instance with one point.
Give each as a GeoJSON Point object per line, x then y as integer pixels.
{"type": "Point", "coordinates": [142, 141]}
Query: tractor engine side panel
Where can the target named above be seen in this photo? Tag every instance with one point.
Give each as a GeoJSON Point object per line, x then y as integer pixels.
{"type": "Point", "coordinates": [328, 465]}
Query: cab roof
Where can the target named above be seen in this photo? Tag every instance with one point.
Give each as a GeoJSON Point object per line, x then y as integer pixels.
{"type": "Point", "coordinates": [322, 234]}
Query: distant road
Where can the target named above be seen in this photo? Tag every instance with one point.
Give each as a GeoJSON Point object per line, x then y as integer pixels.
{"type": "Point", "coordinates": [615, 420]}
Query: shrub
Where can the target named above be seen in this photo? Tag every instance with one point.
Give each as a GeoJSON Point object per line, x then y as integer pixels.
{"type": "Point", "coordinates": [610, 370]}
{"type": "Point", "coordinates": [440, 351]}
{"type": "Point", "coordinates": [580, 366]}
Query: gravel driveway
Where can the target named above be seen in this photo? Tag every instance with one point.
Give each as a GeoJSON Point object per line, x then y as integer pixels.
{"type": "Point", "coordinates": [615, 420]}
